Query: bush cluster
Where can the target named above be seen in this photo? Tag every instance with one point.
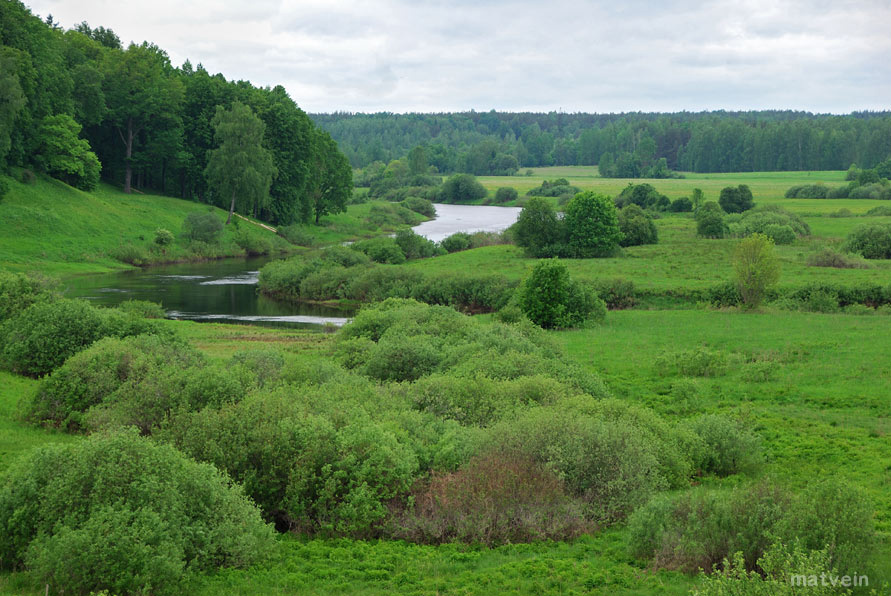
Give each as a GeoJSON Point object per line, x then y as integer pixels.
{"type": "Point", "coordinates": [202, 227]}
{"type": "Point", "coordinates": [552, 300]}
{"type": "Point", "coordinates": [873, 241]}
{"type": "Point", "coordinates": [710, 220]}
{"type": "Point", "coordinates": [637, 227]}
{"type": "Point", "coordinates": [644, 196]}
{"type": "Point", "coordinates": [781, 226]}
{"type": "Point", "coordinates": [590, 228]}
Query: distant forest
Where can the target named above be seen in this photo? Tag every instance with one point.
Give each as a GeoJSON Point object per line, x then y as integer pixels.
{"type": "Point", "coordinates": [76, 105]}
{"type": "Point", "coordinates": [623, 145]}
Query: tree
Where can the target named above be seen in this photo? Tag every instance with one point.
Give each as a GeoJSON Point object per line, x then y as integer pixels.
{"type": "Point", "coordinates": [592, 226]}
{"type": "Point", "coordinates": [64, 155]}
{"type": "Point", "coordinates": [462, 188]}
{"type": "Point", "coordinates": [637, 228]}
{"type": "Point", "coordinates": [552, 300]}
{"type": "Point", "coordinates": [12, 100]}
{"type": "Point", "coordinates": [241, 168]}
{"type": "Point", "coordinates": [332, 182]}
{"type": "Point", "coordinates": [140, 90]}
{"type": "Point", "coordinates": [736, 200]}
{"type": "Point", "coordinates": [710, 220]}
{"type": "Point", "coordinates": [538, 230]}
{"type": "Point", "coordinates": [417, 160]}
{"type": "Point", "coordinates": [756, 268]}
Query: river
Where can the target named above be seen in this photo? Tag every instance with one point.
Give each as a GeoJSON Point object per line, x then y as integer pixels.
{"type": "Point", "coordinates": [226, 290]}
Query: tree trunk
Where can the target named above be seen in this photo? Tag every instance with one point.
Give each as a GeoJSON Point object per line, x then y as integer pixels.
{"type": "Point", "coordinates": [128, 143]}
{"type": "Point", "coordinates": [231, 208]}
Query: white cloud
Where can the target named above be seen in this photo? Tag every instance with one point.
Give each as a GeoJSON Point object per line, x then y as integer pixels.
{"type": "Point", "coordinates": [399, 55]}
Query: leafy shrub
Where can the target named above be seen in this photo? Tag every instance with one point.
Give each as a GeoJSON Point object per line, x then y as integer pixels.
{"type": "Point", "coordinates": [637, 227]}
{"type": "Point", "coordinates": [681, 205]}
{"type": "Point", "coordinates": [283, 278]}
{"type": "Point", "coordinates": [19, 291]}
{"type": "Point", "coordinates": [554, 188]}
{"type": "Point", "coordinates": [131, 254]}
{"type": "Point", "coordinates": [296, 234]}
{"type": "Point", "coordinates": [43, 336]}
{"type": "Point", "coordinates": [473, 293]}
{"type": "Point", "coordinates": [736, 200]}
{"type": "Point", "coordinates": [344, 256]}
{"type": "Point", "coordinates": [163, 237]}
{"type": "Point", "coordinates": [823, 301]}
{"type": "Point", "coordinates": [121, 513]}
{"type": "Point", "coordinates": [756, 268]}
{"type": "Point", "coordinates": [775, 222]}
{"type": "Point", "coordinates": [643, 195]}
{"type": "Point", "coordinates": [456, 242]}
{"type": "Point", "coordinates": [618, 293]}
{"type": "Point", "coordinates": [381, 250]}
{"type": "Point", "coordinates": [505, 194]}
{"type": "Point", "coordinates": [710, 220]}
{"type": "Point", "coordinates": [551, 299]}
{"type": "Point", "coordinates": [728, 447]}
{"type": "Point", "coordinates": [480, 239]}
{"type": "Point", "coordinates": [202, 227]}
{"type": "Point", "coordinates": [807, 191]}
{"type": "Point", "coordinates": [379, 283]}
{"type": "Point", "coordinates": [699, 362]}
{"type": "Point", "coordinates": [592, 226]}
{"type": "Point", "coordinates": [538, 230]}
{"type": "Point", "coordinates": [495, 498]}
{"type": "Point", "coordinates": [881, 210]}
{"type": "Point", "coordinates": [390, 216]}
{"type": "Point", "coordinates": [461, 188]}
{"type": "Point", "coordinates": [873, 241]}
{"type": "Point", "coordinates": [419, 205]}
{"type": "Point", "coordinates": [253, 244]}
{"type": "Point", "coordinates": [415, 246]}
{"type": "Point", "coordinates": [875, 191]}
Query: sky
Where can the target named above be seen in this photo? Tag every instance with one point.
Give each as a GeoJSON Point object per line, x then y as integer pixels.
{"type": "Point", "coordinates": [574, 56]}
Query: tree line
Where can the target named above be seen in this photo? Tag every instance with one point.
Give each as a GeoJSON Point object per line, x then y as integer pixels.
{"type": "Point", "coordinates": [624, 145]}
{"type": "Point", "coordinates": [76, 102]}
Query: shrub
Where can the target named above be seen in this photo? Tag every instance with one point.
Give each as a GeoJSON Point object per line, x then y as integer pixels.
{"type": "Point", "coordinates": [400, 357]}
{"type": "Point", "coordinates": [644, 196]}
{"type": "Point", "coordinates": [379, 283]}
{"type": "Point", "coordinates": [415, 246]}
{"type": "Point", "coordinates": [637, 228]}
{"type": "Point", "coordinates": [203, 227]}
{"type": "Point", "coordinates": [131, 254]}
{"type": "Point", "coordinates": [710, 220]}
{"type": "Point", "coordinates": [284, 278]}
{"type": "Point", "coordinates": [494, 499]}
{"type": "Point", "coordinates": [461, 188]}
{"type": "Point", "coordinates": [253, 244]}
{"type": "Point", "coordinates": [382, 250]}
{"type": "Point", "coordinates": [19, 291]}
{"type": "Point", "coordinates": [681, 205]}
{"type": "Point", "coordinates": [419, 205]}
{"type": "Point", "coordinates": [554, 188]}
{"type": "Point", "coordinates": [456, 242]}
{"type": "Point", "coordinates": [728, 447]}
{"type": "Point", "coordinates": [778, 224]}
{"type": "Point", "coordinates": [736, 200]}
{"type": "Point", "coordinates": [344, 256]}
{"type": "Point", "coordinates": [538, 230]}
{"type": "Point", "coordinates": [551, 299]}
{"type": "Point", "coordinates": [142, 309]}
{"type": "Point", "coordinates": [506, 194]}
{"type": "Point", "coordinates": [618, 293]}
{"type": "Point", "coordinates": [121, 513]}
{"type": "Point", "coordinates": [296, 234]}
{"type": "Point", "coordinates": [42, 337]}
{"type": "Point", "coordinates": [389, 216]}
{"type": "Point", "coordinates": [28, 176]}
{"type": "Point", "coordinates": [592, 226]}
{"type": "Point", "coordinates": [163, 237]}
{"type": "Point", "coordinates": [699, 362]}
{"type": "Point", "coordinates": [756, 268]}
{"type": "Point", "coordinates": [823, 301]}
{"type": "Point", "coordinates": [873, 241]}
{"type": "Point", "coordinates": [807, 191]}
{"type": "Point", "coordinates": [881, 210]}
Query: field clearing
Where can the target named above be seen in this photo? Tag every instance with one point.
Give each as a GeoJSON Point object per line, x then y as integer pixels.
{"type": "Point", "coordinates": [681, 260]}
{"type": "Point", "coordinates": [767, 187]}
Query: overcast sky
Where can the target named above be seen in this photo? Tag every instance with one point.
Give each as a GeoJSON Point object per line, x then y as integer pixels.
{"type": "Point", "coordinates": [616, 56]}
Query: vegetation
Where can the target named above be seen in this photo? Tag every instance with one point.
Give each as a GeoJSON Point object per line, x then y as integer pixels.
{"type": "Point", "coordinates": [552, 300]}
{"type": "Point", "coordinates": [756, 267]}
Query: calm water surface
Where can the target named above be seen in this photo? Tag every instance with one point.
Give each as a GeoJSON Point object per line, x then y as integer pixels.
{"type": "Point", "coordinates": [226, 290]}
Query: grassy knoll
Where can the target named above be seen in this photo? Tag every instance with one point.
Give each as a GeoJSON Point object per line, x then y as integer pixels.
{"type": "Point", "coordinates": [53, 228]}
{"type": "Point", "coordinates": [767, 187]}
{"type": "Point", "coordinates": [681, 261]}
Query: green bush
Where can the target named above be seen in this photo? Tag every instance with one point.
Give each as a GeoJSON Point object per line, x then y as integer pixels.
{"type": "Point", "coordinates": [131, 254]}
{"type": "Point", "coordinates": [461, 188]}
{"type": "Point", "coordinates": [551, 299]}
{"type": "Point", "coordinates": [390, 216]}
{"type": "Point", "coordinates": [344, 256]}
{"type": "Point", "coordinates": [681, 205]}
{"type": "Point", "coordinates": [538, 229]}
{"type": "Point", "coordinates": [40, 338]}
{"type": "Point", "coordinates": [881, 210]}
{"type": "Point", "coordinates": [592, 226]}
{"type": "Point", "coordinates": [203, 227]}
{"type": "Point", "coordinates": [253, 244]}
{"type": "Point", "coordinates": [618, 293]}
{"type": "Point", "coordinates": [736, 200]}
{"type": "Point", "coordinates": [419, 205]}
{"type": "Point", "coordinates": [637, 227]}
{"type": "Point", "coordinates": [142, 309]}
{"type": "Point", "coordinates": [381, 250]}
{"type": "Point", "coordinates": [727, 446]}
{"type": "Point", "coordinates": [456, 242]}
{"type": "Point", "coordinates": [163, 237]}
{"type": "Point", "coordinates": [296, 234]}
{"type": "Point", "coordinates": [283, 278]}
{"type": "Point", "coordinates": [698, 362]}
{"type": "Point", "coordinates": [873, 241]}
{"type": "Point", "coordinates": [124, 514]}
{"type": "Point", "coordinates": [19, 291]}
{"type": "Point", "coordinates": [710, 220]}
{"type": "Point", "coordinates": [756, 268]}
{"type": "Point", "coordinates": [414, 246]}
{"type": "Point", "coordinates": [505, 194]}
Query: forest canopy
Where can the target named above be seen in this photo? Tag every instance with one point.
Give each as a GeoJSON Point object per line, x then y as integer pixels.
{"type": "Point", "coordinates": [74, 101]}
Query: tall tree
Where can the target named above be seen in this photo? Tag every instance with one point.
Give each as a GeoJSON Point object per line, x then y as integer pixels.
{"type": "Point", "coordinates": [240, 169]}
{"type": "Point", "coordinates": [332, 182]}
{"type": "Point", "coordinates": [140, 90]}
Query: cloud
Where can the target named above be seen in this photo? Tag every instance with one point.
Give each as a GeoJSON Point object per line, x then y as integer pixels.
{"type": "Point", "coordinates": [399, 55]}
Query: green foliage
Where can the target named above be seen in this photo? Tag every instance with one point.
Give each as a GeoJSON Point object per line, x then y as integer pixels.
{"type": "Point", "coordinates": [414, 246]}
{"type": "Point", "coordinates": [253, 244]}
{"type": "Point", "coordinates": [873, 241]}
{"type": "Point", "coordinates": [538, 230]}
{"type": "Point", "coordinates": [121, 513]}
{"type": "Point", "coordinates": [681, 205]}
{"type": "Point", "coordinates": [644, 196]}
{"type": "Point", "coordinates": [776, 223]}
{"type": "Point", "coordinates": [554, 188]}
{"type": "Point", "coordinates": [40, 338]}
{"type": "Point", "coordinates": [736, 200]}
{"type": "Point", "coordinates": [552, 300]}
{"type": "Point", "coordinates": [456, 242]}
{"type": "Point", "coordinates": [142, 309]}
{"type": "Point", "coordinates": [756, 268]}
{"type": "Point", "coordinates": [727, 446]}
{"type": "Point", "coordinates": [382, 249]}
{"type": "Point", "coordinates": [710, 220]}
{"type": "Point", "coordinates": [241, 169]}
{"type": "Point", "coordinates": [62, 154]}
{"type": "Point", "coordinates": [202, 227]}
{"type": "Point", "coordinates": [163, 237]}
{"type": "Point", "coordinates": [419, 205]}
{"type": "Point", "coordinates": [698, 362]}
{"type": "Point", "coordinates": [592, 226]}
{"type": "Point", "coordinates": [636, 226]}
{"type": "Point", "coordinates": [19, 291]}
{"type": "Point", "coordinates": [461, 188]}
{"type": "Point", "coordinates": [833, 258]}
{"type": "Point", "coordinates": [505, 194]}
